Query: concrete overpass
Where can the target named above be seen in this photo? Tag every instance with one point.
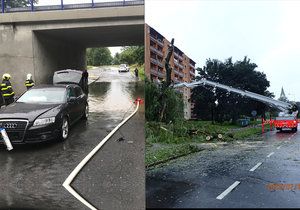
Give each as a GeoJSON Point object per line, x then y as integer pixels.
{"type": "Point", "coordinates": [43, 42]}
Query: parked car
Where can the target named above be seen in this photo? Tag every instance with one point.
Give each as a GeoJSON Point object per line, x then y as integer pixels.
{"type": "Point", "coordinates": [124, 68]}
{"type": "Point", "coordinates": [44, 113]}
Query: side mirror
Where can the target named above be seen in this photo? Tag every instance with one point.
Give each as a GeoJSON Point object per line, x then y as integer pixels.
{"type": "Point", "coordinates": [72, 99]}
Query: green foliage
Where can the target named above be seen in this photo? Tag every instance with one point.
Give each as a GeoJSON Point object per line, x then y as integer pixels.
{"type": "Point", "coordinates": [153, 100]}
{"type": "Point", "coordinates": [99, 56]}
{"type": "Point", "coordinates": [242, 75]}
{"type": "Point", "coordinates": [141, 70]}
{"type": "Point", "coordinates": [132, 55]}
{"type": "Point", "coordinates": [116, 59]}
{"type": "Point", "coordinates": [18, 3]}
{"type": "Point", "coordinates": [168, 153]}
{"type": "Point", "coordinates": [181, 131]}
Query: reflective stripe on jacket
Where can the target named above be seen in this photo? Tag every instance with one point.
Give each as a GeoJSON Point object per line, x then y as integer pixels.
{"type": "Point", "coordinates": [29, 83]}
{"type": "Point", "coordinates": [6, 89]}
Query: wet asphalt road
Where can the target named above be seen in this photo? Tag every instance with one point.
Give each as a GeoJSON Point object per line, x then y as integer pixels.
{"type": "Point", "coordinates": [197, 180]}
{"type": "Point", "coordinates": [32, 175]}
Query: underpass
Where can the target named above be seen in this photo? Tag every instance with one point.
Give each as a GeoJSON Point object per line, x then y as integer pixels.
{"type": "Point", "coordinates": [42, 42]}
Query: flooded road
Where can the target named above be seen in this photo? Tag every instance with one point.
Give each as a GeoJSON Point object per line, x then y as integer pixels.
{"type": "Point", "coordinates": [197, 180]}
{"type": "Point", "coordinates": [31, 176]}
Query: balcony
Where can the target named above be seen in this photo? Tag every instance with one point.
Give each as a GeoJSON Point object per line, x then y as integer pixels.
{"type": "Point", "coordinates": [154, 72]}
{"type": "Point", "coordinates": [160, 42]}
{"type": "Point", "coordinates": [178, 73]}
{"type": "Point", "coordinates": [176, 80]}
{"type": "Point", "coordinates": [153, 38]}
{"type": "Point", "coordinates": [180, 57]}
{"type": "Point", "coordinates": [191, 65]}
{"type": "Point", "coordinates": [157, 73]}
{"type": "Point", "coordinates": [156, 51]}
{"type": "Point", "coordinates": [175, 55]}
{"type": "Point", "coordinates": [180, 66]}
{"type": "Point", "coordinates": [192, 73]}
{"type": "Point", "coordinates": [157, 62]}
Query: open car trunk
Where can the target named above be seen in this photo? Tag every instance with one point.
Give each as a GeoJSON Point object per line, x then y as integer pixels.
{"type": "Point", "coordinates": [70, 76]}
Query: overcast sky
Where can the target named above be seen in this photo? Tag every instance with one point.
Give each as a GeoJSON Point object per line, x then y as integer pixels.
{"type": "Point", "coordinates": [267, 31]}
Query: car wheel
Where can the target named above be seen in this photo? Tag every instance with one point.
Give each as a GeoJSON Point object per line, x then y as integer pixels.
{"type": "Point", "coordinates": [64, 132]}
{"type": "Point", "coordinates": [86, 112]}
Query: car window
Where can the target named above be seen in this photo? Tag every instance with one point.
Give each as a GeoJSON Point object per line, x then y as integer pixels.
{"type": "Point", "coordinates": [78, 91]}
{"type": "Point", "coordinates": [46, 95]}
{"type": "Point", "coordinates": [70, 92]}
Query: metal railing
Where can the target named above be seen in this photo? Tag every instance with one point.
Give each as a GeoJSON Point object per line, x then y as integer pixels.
{"type": "Point", "coordinates": [191, 65]}
{"type": "Point", "coordinates": [158, 73]}
{"type": "Point", "coordinates": [178, 73]}
{"type": "Point", "coordinates": [157, 51]}
{"type": "Point", "coordinates": [157, 62]}
{"type": "Point", "coordinates": [192, 73]}
{"type": "Point", "coordinates": [8, 6]}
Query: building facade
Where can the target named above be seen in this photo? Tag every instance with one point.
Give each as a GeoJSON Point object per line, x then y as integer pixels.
{"type": "Point", "coordinates": [156, 48]}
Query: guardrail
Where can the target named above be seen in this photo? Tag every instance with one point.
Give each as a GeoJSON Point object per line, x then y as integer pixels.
{"type": "Point", "coordinates": [9, 6]}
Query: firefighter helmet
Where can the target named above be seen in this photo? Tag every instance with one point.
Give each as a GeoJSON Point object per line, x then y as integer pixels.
{"type": "Point", "coordinates": [6, 76]}
{"type": "Point", "coordinates": [29, 76]}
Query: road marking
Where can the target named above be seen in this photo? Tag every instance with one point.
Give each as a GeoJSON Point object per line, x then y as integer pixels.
{"type": "Point", "coordinates": [228, 190]}
{"type": "Point", "coordinates": [256, 166]}
{"type": "Point", "coordinates": [269, 155]}
{"type": "Point", "coordinates": [70, 178]}
{"type": "Point", "coordinates": [279, 147]}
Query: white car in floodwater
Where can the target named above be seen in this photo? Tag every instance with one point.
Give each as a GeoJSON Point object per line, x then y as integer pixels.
{"type": "Point", "coordinates": [124, 68]}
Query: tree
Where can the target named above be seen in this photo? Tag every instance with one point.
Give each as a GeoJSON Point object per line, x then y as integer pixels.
{"type": "Point", "coordinates": [153, 106]}
{"type": "Point", "coordinates": [116, 59]}
{"type": "Point", "coordinates": [18, 3]}
{"type": "Point", "coordinates": [99, 56]}
{"type": "Point", "coordinates": [229, 106]}
{"type": "Point", "coordinates": [132, 55]}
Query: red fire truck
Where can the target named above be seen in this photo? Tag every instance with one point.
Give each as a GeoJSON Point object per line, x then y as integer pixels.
{"type": "Point", "coordinates": [287, 118]}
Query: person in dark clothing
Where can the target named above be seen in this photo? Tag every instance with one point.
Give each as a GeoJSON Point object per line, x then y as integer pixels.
{"type": "Point", "coordinates": [29, 83]}
{"type": "Point", "coordinates": [136, 72]}
{"type": "Point", "coordinates": [85, 82]}
{"type": "Point", "coordinates": [7, 90]}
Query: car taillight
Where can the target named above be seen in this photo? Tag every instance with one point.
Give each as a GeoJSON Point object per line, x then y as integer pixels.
{"type": "Point", "coordinates": [295, 121]}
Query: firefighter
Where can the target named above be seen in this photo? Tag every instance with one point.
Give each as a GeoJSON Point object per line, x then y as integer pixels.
{"type": "Point", "coordinates": [7, 90]}
{"type": "Point", "coordinates": [29, 83]}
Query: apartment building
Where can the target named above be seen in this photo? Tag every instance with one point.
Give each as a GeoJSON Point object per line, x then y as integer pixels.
{"type": "Point", "coordinates": [156, 48]}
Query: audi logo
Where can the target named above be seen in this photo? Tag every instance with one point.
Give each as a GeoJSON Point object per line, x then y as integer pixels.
{"type": "Point", "coordinates": [9, 125]}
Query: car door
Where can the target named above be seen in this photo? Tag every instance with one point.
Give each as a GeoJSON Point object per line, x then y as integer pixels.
{"type": "Point", "coordinates": [81, 101]}
{"type": "Point", "coordinates": [72, 104]}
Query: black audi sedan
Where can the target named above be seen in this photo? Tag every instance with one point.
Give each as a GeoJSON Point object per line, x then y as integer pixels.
{"type": "Point", "coordinates": [44, 113]}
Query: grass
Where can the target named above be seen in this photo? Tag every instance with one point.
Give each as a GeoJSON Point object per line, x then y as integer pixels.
{"type": "Point", "coordinates": [168, 141]}
{"type": "Point", "coordinates": [141, 70]}
{"type": "Point", "coordinates": [168, 153]}
{"type": "Point", "coordinates": [90, 67]}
